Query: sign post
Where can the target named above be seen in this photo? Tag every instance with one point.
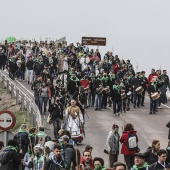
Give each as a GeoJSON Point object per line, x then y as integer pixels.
{"type": "Point", "coordinates": [97, 41]}
{"type": "Point", "coordinates": [7, 122]}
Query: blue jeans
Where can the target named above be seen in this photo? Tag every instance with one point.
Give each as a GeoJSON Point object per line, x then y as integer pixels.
{"type": "Point", "coordinates": [43, 100]}
{"type": "Point", "coordinates": [98, 101]}
{"type": "Point", "coordinates": [153, 105]}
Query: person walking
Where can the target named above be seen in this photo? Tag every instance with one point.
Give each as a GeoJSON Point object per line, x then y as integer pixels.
{"type": "Point", "coordinates": [129, 140]}
{"type": "Point", "coordinates": [112, 145]}
{"type": "Point", "coordinates": [45, 94]}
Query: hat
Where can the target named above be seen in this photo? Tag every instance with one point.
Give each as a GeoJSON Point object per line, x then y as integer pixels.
{"type": "Point", "coordinates": [115, 126]}
{"type": "Point", "coordinates": [141, 155]}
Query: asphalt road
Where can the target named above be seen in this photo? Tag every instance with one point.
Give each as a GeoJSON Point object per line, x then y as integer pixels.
{"type": "Point", "coordinates": [149, 127]}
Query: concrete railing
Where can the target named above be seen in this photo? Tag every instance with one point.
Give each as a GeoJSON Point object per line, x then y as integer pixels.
{"type": "Point", "coordinates": [22, 97]}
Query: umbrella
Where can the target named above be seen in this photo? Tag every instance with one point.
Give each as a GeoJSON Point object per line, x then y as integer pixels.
{"type": "Point", "coordinates": [10, 39]}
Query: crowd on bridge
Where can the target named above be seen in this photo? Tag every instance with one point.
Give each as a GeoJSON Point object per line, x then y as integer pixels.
{"type": "Point", "coordinates": [67, 79]}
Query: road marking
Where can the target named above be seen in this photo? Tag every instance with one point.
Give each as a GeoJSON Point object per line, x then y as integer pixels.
{"type": "Point", "coordinates": [161, 103]}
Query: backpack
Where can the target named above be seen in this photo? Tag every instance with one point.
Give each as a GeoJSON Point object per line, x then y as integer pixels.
{"type": "Point", "coordinates": [4, 157]}
{"type": "Point", "coordinates": [131, 142]}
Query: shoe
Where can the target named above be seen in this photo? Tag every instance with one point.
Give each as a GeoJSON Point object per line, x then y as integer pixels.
{"type": "Point", "coordinates": [154, 112]}
{"type": "Point", "coordinates": [127, 109]}
{"type": "Point", "coordinates": [138, 106]}
{"type": "Point", "coordinates": [134, 106]}
{"type": "Point", "coordinates": [150, 113]}
{"type": "Point", "coordinates": [117, 114]}
{"type": "Point", "coordinates": [95, 109]}
{"type": "Point", "coordinates": [142, 104]}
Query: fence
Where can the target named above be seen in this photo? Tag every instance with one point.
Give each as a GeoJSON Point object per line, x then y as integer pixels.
{"type": "Point", "coordinates": [22, 97]}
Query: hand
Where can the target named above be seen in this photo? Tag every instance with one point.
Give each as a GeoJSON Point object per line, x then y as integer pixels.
{"type": "Point", "coordinates": [32, 156]}
{"type": "Point", "coordinates": [20, 151]}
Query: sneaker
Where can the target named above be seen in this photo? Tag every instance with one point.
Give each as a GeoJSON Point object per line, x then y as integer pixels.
{"type": "Point", "coordinates": [154, 112]}
{"type": "Point", "coordinates": [95, 109]}
{"type": "Point", "coordinates": [117, 114]}
{"type": "Point", "coordinates": [150, 113]}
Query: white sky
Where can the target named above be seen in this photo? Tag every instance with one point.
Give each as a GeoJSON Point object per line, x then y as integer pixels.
{"type": "Point", "coordinates": [138, 30]}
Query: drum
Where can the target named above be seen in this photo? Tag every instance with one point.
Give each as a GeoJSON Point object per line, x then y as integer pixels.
{"type": "Point", "coordinates": [155, 96]}
{"type": "Point", "coordinates": [139, 90]}
{"type": "Point", "coordinates": [129, 94]}
{"type": "Point", "coordinates": [107, 89]}
{"type": "Point", "coordinates": [123, 95]}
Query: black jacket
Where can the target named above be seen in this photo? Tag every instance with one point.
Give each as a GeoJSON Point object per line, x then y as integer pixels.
{"type": "Point", "coordinates": [53, 164]}
{"type": "Point", "coordinates": [136, 82]}
{"type": "Point", "coordinates": [30, 64]}
{"type": "Point", "coordinates": [150, 157]}
{"type": "Point", "coordinates": [56, 111]}
{"type": "Point", "coordinates": [68, 153]}
{"type": "Point", "coordinates": [23, 140]}
{"type": "Point", "coordinates": [10, 159]}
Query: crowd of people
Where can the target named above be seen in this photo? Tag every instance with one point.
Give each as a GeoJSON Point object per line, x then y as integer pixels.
{"type": "Point", "coordinates": [68, 78]}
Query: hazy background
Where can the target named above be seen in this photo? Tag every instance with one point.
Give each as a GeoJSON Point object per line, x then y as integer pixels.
{"type": "Point", "coordinates": [135, 29]}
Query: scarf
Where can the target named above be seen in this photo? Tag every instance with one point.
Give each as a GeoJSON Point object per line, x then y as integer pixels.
{"type": "Point", "coordinates": [21, 130]}
{"type": "Point", "coordinates": [74, 80]}
{"type": "Point", "coordinates": [12, 148]}
{"type": "Point", "coordinates": [154, 85]}
{"type": "Point", "coordinates": [117, 88]}
{"type": "Point", "coordinates": [112, 77]}
{"type": "Point", "coordinates": [105, 79]}
{"type": "Point", "coordinates": [143, 166]}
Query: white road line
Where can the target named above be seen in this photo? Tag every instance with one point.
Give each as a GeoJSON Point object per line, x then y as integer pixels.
{"type": "Point", "coordinates": [161, 103]}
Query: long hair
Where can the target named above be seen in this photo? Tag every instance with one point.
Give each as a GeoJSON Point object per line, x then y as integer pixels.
{"type": "Point", "coordinates": [128, 127]}
{"type": "Point", "coordinates": [154, 142]}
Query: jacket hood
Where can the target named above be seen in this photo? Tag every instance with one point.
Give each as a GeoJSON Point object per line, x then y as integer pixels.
{"type": "Point", "coordinates": [68, 146]}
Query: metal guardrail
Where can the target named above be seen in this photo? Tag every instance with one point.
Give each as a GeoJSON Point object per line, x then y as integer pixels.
{"type": "Point", "coordinates": [22, 97]}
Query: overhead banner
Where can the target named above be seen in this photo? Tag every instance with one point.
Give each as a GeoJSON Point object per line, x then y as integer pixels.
{"type": "Point", "coordinates": [61, 40]}
{"type": "Point", "coordinates": [98, 41]}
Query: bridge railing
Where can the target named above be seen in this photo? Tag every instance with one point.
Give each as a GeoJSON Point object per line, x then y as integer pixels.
{"type": "Point", "coordinates": [22, 98]}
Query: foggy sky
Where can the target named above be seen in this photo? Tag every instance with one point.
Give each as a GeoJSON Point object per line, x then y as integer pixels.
{"type": "Point", "coordinates": [135, 29]}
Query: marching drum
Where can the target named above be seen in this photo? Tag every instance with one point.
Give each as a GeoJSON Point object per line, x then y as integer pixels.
{"type": "Point", "coordinates": [139, 90]}
{"type": "Point", "coordinates": [155, 96]}
{"type": "Point", "coordinates": [129, 94]}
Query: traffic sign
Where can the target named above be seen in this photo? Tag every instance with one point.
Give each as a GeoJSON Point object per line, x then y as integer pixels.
{"type": "Point", "coordinates": [7, 120]}
{"type": "Point", "coordinates": [98, 41]}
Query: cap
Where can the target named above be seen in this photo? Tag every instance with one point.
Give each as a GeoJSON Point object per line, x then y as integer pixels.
{"type": "Point", "coordinates": [115, 126]}
{"type": "Point", "coordinates": [141, 155]}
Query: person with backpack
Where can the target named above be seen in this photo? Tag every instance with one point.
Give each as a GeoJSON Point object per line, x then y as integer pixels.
{"type": "Point", "coordinates": [9, 158]}
{"type": "Point", "coordinates": [112, 145]}
{"type": "Point", "coordinates": [151, 152]}
{"type": "Point", "coordinates": [129, 140]}
{"type": "Point", "coordinates": [22, 138]}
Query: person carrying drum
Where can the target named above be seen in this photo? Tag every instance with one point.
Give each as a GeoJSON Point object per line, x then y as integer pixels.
{"type": "Point", "coordinates": [136, 85]}
{"type": "Point", "coordinates": [154, 94]}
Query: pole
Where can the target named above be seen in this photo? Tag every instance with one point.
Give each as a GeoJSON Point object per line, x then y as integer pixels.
{"type": "Point", "coordinates": [5, 138]}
